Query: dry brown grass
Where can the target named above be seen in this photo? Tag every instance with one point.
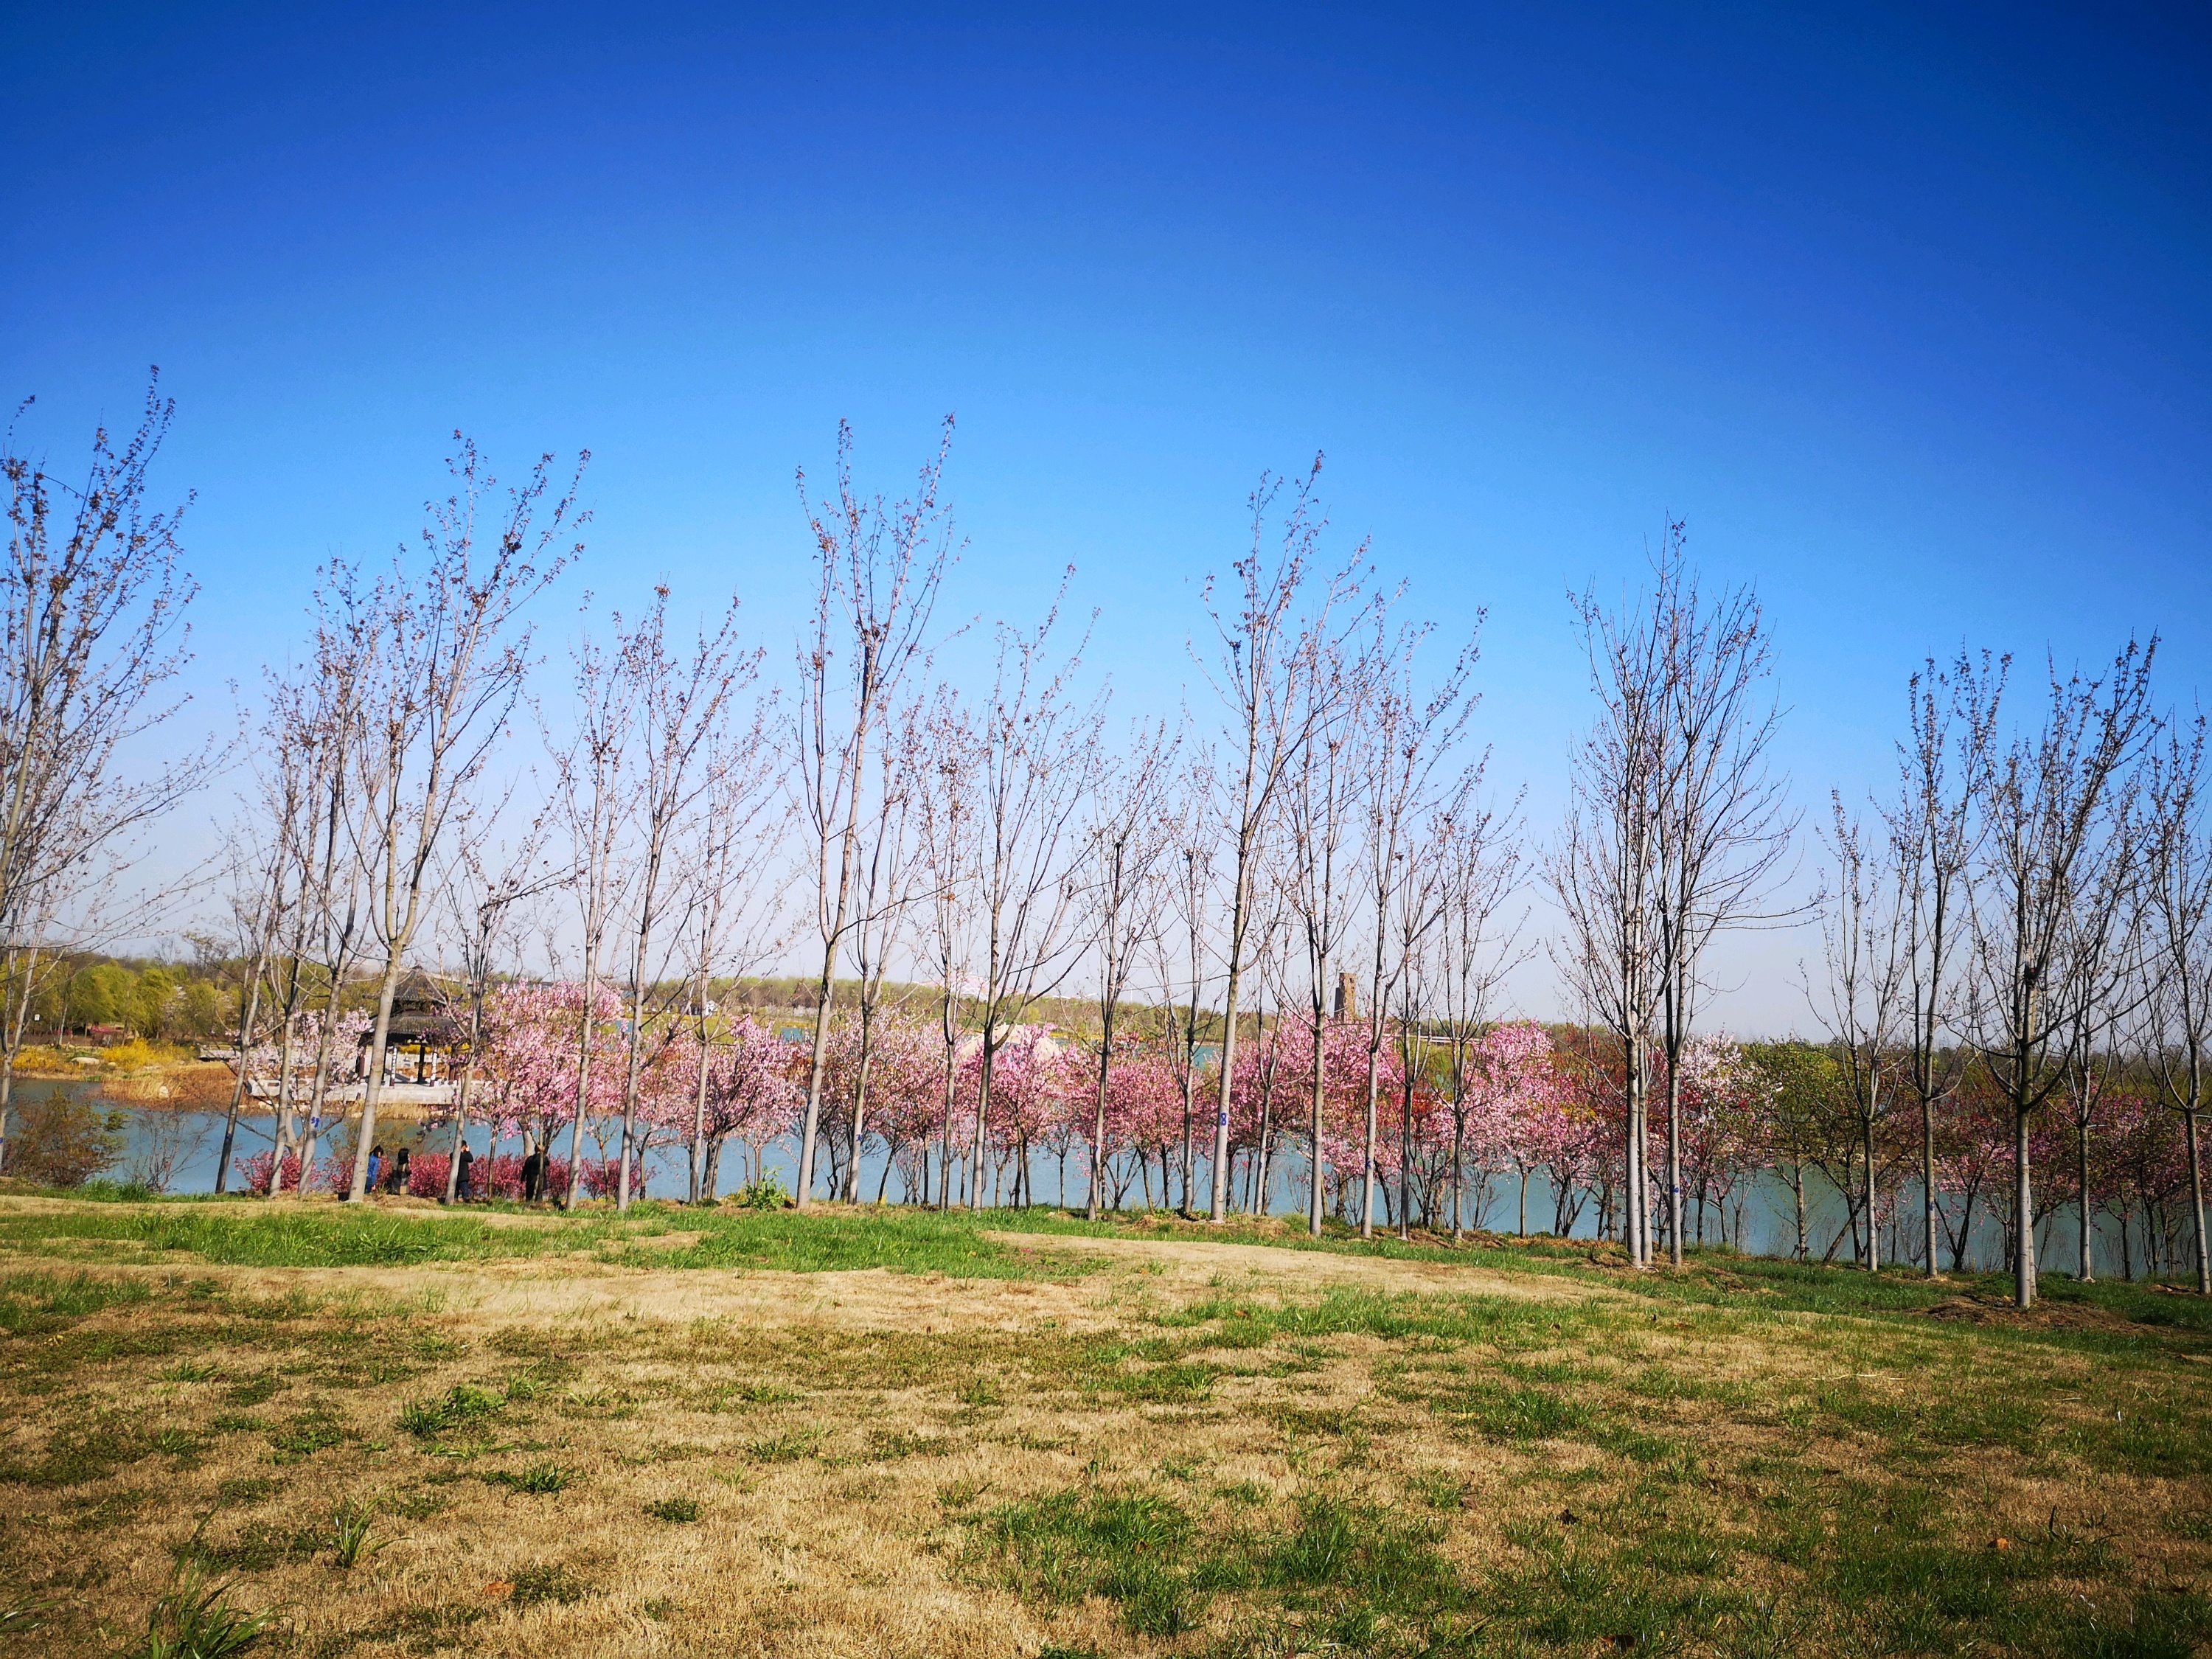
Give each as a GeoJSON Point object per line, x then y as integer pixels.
{"type": "Point", "coordinates": [855, 1441]}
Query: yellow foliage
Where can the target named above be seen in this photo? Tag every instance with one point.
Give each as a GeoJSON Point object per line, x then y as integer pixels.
{"type": "Point", "coordinates": [132, 1056]}
{"type": "Point", "coordinates": [44, 1059]}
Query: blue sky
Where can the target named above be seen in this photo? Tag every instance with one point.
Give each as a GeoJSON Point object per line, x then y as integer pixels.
{"type": "Point", "coordinates": [1905, 311]}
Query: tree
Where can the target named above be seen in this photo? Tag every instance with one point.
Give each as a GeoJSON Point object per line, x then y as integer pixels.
{"type": "Point", "coordinates": [732, 912]}
{"type": "Point", "coordinates": [680, 706]}
{"type": "Point", "coordinates": [2058, 864]}
{"type": "Point", "coordinates": [1478, 856]}
{"type": "Point", "coordinates": [1320, 805]}
{"type": "Point", "coordinates": [1932, 831]}
{"type": "Point", "coordinates": [945, 826]}
{"type": "Point", "coordinates": [1407, 740]}
{"type": "Point", "coordinates": [1266, 655]}
{"type": "Point", "coordinates": [877, 572]}
{"type": "Point", "coordinates": [1723, 823]}
{"type": "Point", "coordinates": [454, 652]}
{"type": "Point", "coordinates": [91, 634]}
{"type": "Point", "coordinates": [1866, 938]}
{"type": "Point", "coordinates": [1605, 870]}
{"type": "Point", "coordinates": [890, 866]}
{"type": "Point", "coordinates": [482, 888]}
{"type": "Point", "coordinates": [262, 859]}
{"type": "Point", "coordinates": [2178, 1022]}
{"type": "Point", "coordinates": [1191, 829]}
{"type": "Point", "coordinates": [1035, 751]}
{"type": "Point", "coordinates": [326, 731]}
{"type": "Point", "coordinates": [1130, 842]}
{"type": "Point", "coordinates": [591, 790]}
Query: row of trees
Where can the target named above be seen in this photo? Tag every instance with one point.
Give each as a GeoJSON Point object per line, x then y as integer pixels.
{"type": "Point", "coordinates": [1312, 856]}
{"type": "Point", "coordinates": [1532, 1118]}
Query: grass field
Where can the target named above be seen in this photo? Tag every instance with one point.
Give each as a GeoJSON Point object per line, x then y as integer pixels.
{"type": "Point", "coordinates": [408, 1431]}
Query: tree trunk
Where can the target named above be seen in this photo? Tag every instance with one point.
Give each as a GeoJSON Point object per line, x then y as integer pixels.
{"type": "Point", "coordinates": [1098, 1122]}
{"type": "Point", "coordinates": [238, 1094]}
{"type": "Point", "coordinates": [1673, 1160]}
{"type": "Point", "coordinates": [1313, 1206]}
{"type": "Point", "coordinates": [374, 1082]}
{"type": "Point", "coordinates": [2087, 1267]}
{"type": "Point", "coordinates": [2023, 1217]}
{"type": "Point", "coordinates": [461, 1105]}
{"type": "Point", "coordinates": [1406, 1156]}
{"type": "Point", "coordinates": [2196, 1204]}
{"type": "Point", "coordinates": [1928, 1183]}
{"type": "Point", "coordinates": [699, 1153]}
{"type": "Point", "coordinates": [1873, 1206]}
{"type": "Point", "coordinates": [571, 1198]}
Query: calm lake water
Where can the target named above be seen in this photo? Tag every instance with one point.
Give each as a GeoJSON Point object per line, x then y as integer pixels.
{"type": "Point", "coordinates": [188, 1143]}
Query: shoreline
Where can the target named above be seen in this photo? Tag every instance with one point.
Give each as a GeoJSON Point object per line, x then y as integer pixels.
{"type": "Point", "coordinates": [208, 1086]}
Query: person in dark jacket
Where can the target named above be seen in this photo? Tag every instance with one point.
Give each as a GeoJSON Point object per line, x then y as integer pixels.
{"type": "Point", "coordinates": [466, 1174]}
{"type": "Point", "coordinates": [395, 1183]}
{"type": "Point", "coordinates": [533, 1176]}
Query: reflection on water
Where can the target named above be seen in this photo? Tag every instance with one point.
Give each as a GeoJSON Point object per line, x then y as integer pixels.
{"type": "Point", "coordinates": [189, 1142]}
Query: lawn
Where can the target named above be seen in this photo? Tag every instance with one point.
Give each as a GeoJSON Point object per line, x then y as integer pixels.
{"type": "Point", "coordinates": [409, 1431]}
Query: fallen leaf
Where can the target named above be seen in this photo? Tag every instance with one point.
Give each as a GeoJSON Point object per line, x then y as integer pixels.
{"type": "Point", "coordinates": [2000, 1543]}
{"type": "Point", "coordinates": [498, 1588]}
{"type": "Point", "coordinates": [1567, 1517]}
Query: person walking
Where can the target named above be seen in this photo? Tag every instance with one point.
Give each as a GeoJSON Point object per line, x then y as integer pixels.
{"type": "Point", "coordinates": [396, 1183]}
{"type": "Point", "coordinates": [465, 1174]}
{"type": "Point", "coordinates": [376, 1168]}
{"type": "Point", "coordinates": [533, 1176]}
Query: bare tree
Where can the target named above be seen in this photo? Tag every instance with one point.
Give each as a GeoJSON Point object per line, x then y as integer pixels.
{"type": "Point", "coordinates": [91, 637]}
{"type": "Point", "coordinates": [680, 706]}
{"type": "Point", "coordinates": [482, 886]}
{"type": "Point", "coordinates": [2055, 870]}
{"type": "Point", "coordinates": [945, 832]}
{"type": "Point", "coordinates": [890, 871]}
{"type": "Point", "coordinates": [1321, 804]}
{"type": "Point", "coordinates": [1477, 850]}
{"type": "Point", "coordinates": [1414, 919]}
{"type": "Point", "coordinates": [591, 777]}
{"type": "Point", "coordinates": [346, 640]}
{"type": "Point", "coordinates": [1191, 829]}
{"type": "Point", "coordinates": [1724, 824]}
{"type": "Point", "coordinates": [1604, 872]}
{"type": "Point", "coordinates": [1035, 751]}
{"type": "Point", "coordinates": [308, 733]}
{"type": "Point", "coordinates": [731, 926]}
{"type": "Point", "coordinates": [262, 858]}
{"type": "Point", "coordinates": [1866, 932]}
{"type": "Point", "coordinates": [1266, 648]}
{"type": "Point", "coordinates": [455, 651]}
{"type": "Point", "coordinates": [2178, 1028]}
{"type": "Point", "coordinates": [878, 571]}
{"type": "Point", "coordinates": [2112, 960]}
{"type": "Point", "coordinates": [1407, 738]}
{"type": "Point", "coordinates": [1130, 845]}
{"type": "Point", "coordinates": [1932, 832]}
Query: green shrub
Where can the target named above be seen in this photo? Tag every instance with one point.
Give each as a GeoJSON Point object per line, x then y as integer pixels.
{"type": "Point", "coordinates": [60, 1142]}
{"type": "Point", "coordinates": [764, 1194]}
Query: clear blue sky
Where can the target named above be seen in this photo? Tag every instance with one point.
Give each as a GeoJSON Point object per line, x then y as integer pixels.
{"type": "Point", "coordinates": [1905, 312]}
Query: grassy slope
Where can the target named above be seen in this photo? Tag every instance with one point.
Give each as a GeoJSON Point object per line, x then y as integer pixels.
{"type": "Point", "coordinates": [1033, 1446]}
